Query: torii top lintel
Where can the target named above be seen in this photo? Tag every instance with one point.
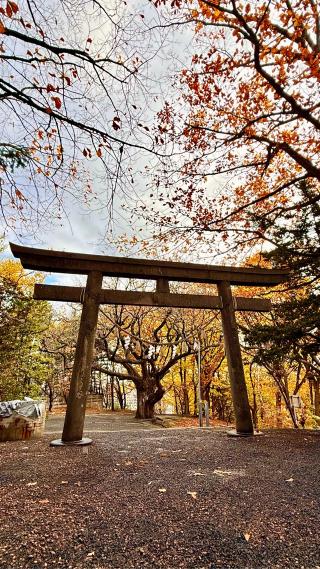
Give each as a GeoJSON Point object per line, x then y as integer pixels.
{"type": "Point", "coordinates": [80, 263]}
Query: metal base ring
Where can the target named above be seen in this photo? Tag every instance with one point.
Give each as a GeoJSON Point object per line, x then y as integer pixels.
{"type": "Point", "coordinates": [235, 433]}
{"type": "Point", "coordinates": [60, 443]}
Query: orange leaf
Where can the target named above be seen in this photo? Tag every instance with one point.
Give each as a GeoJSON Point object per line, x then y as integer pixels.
{"type": "Point", "coordinates": [19, 195]}
{"type": "Point", "coordinates": [99, 152]}
{"type": "Point", "coordinates": [2, 28]}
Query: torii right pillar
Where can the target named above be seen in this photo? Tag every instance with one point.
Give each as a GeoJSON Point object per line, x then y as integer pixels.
{"type": "Point", "coordinates": [244, 425]}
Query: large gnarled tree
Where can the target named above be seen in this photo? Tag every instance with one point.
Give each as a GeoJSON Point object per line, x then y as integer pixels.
{"type": "Point", "coordinates": [144, 344]}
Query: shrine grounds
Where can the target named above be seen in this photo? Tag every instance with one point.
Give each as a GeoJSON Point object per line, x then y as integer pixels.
{"type": "Point", "coordinates": [161, 498]}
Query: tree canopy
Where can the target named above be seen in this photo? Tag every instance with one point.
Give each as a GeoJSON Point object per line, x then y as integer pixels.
{"type": "Point", "coordinates": [245, 117]}
{"type": "Point", "coordinates": [72, 99]}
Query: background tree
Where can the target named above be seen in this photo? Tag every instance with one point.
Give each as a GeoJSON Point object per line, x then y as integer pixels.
{"type": "Point", "coordinates": [287, 344]}
{"type": "Point", "coordinates": [146, 343]}
{"type": "Point", "coordinates": [23, 367]}
{"type": "Point", "coordinates": [59, 344]}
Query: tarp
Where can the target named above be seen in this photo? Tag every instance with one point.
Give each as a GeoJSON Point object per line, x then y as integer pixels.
{"type": "Point", "coordinates": [26, 408]}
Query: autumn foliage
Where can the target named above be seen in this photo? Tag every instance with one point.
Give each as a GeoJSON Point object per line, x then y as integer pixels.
{"type": "Point", "coordinates": [247, 120]}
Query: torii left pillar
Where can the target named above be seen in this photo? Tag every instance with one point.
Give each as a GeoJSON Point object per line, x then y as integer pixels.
{"type": "Point", "coordinates": [81, 373]}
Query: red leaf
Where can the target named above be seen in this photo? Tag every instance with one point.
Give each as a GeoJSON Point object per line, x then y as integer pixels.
{"type": "Point", "coordinates": [116, 123]}
{"type": "Point", "coordinates": [9, 10]}
{"type": "Point", "coordinates": [57, 102]}
{"type": "Point", "coordinates": [99, 152]}
{"type": "Point", "coordinates": [14, 7]}
{"type": "Point", "coordinates": [50, 88]}
{"type": "Point", "coordinates": [2, 28]}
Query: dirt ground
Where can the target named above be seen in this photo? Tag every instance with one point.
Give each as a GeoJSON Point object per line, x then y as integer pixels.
{"type": "Point", "coordinates": [161, 498]}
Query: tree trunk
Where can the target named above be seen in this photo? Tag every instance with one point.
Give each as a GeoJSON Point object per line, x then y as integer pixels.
{"type": "Point", "coordinates": [112, 393]}
{"type": "Point", "coordinates": [146, 402]}
{"type": "Point", "coordinates": [279, 409]}
{"type": "Point", "coordinates": [144, 409]}
{"type": "Point", "coordinates": [316, 388]}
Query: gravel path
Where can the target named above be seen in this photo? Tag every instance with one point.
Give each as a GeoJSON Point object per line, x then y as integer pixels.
{"type": "Point", "coordinates": [102, 422]}
{"type": "Point", "coordinates": [151, 499]}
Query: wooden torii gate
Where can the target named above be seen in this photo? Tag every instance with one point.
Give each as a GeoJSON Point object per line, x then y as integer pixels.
{"type": "Point", "coordinates": [98, 266]}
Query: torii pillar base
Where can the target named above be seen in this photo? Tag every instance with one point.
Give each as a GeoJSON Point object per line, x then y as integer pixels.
{"type": "Point", "coordinates": [60, 443]}
{"type": "Point", "coordinates": [234, 433]}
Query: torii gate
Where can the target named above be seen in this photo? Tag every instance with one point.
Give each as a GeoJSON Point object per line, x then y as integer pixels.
{"type": "Point", "coordinates": [98, 266]}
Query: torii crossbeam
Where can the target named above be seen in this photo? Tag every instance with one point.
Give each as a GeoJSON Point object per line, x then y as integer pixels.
{"type": "Point", "coordinates": [98, 266]}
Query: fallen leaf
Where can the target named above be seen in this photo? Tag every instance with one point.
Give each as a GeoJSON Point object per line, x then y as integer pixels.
{"type": "Point", "coordinates": [289, 480]}
{"type": "Point", "coordinates": [198, 474]}
{"type": "Point", "coordinates": [162, 489]}
{"type": "Point", "coordinates": [32, 483]}
{"type": "Point", "coordinates": [64, 481]}
{"type": "Point", "coordinates": [90, 554]}
{"type": "Point", "coordinates": [193, 494]}
{"type": "Point", "coordinates": [45, 501]}
{"type": "Point", "coordinates": [246, 536]}
{"type": "Point", "coordinates": [220, 472]}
